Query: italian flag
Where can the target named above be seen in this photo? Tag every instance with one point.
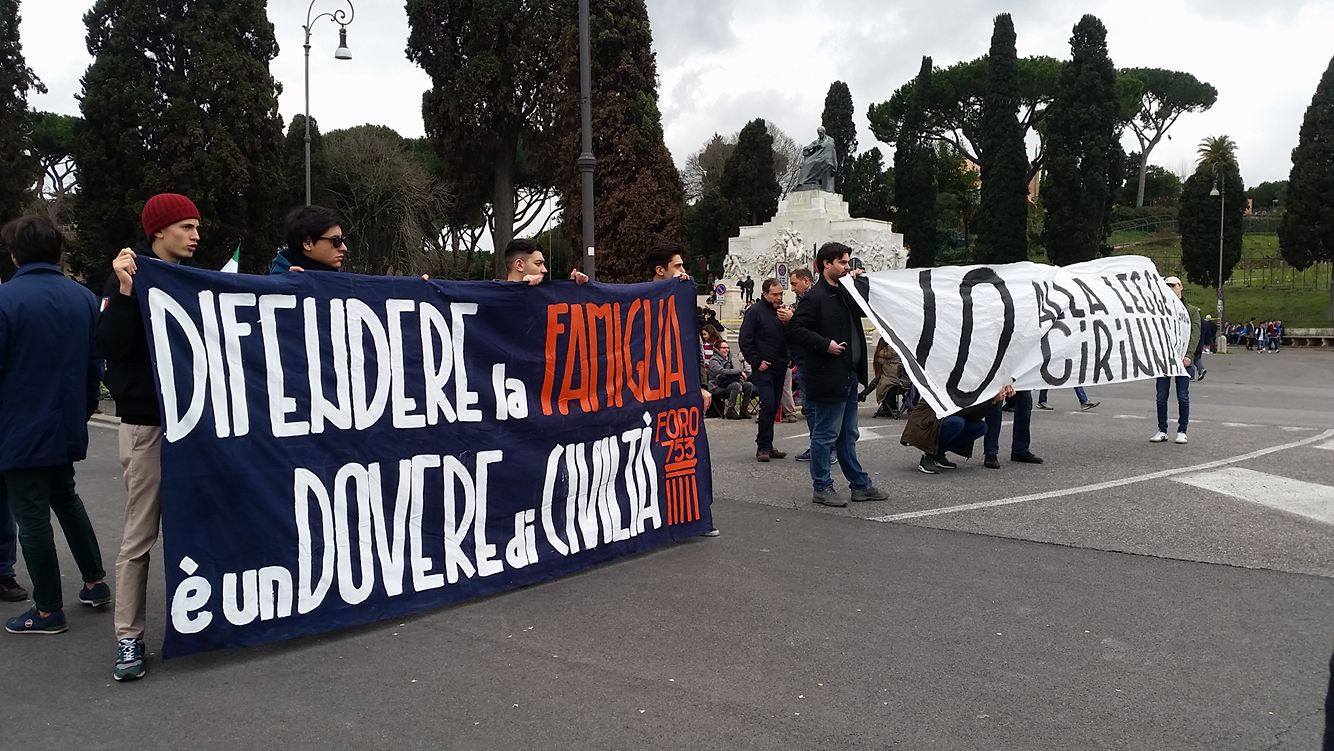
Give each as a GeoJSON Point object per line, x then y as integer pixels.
{"type": "Point", "coordinates": [234, 265]}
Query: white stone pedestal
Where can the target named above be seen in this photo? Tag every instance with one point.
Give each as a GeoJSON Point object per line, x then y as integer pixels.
{"type": "Point", "coordinates": [805, 221]}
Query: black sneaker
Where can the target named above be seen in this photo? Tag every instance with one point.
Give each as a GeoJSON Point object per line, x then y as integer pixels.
{"type": "Point", "coordinates": [804, 456]}
{"type": "Point", "coordinates": [10, 591]}
{"type": "Point", "coordinates": [928, 466]}
{"type": "Point", "coordinates": [95, 596]}
{"type": "Point", "coordinates": [942, 461]}
{"type": "Point", "coordinates": [991, 462]}
{"type": "Point", "coordinates": [1086, 406]}
{"type": "Point", "coordinates": [1043, 406]}
{"type": "Point", "coordinates": [1026, 458]}
{"type": "Point", "coordinates": [129, 660]}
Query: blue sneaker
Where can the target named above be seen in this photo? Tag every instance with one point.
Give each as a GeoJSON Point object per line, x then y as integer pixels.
{"type": "Point", "coordinates": [129, 660]}
{"type": "Point", "coordinates": [32, 623]}
{"type": "Point", "coordinates": [95, 596]}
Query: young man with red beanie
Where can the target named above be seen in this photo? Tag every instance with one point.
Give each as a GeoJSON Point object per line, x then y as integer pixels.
{"type": "Point", "coordinates": [171, 231]}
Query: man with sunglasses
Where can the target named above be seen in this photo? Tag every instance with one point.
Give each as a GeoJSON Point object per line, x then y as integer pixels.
{"type": "Point", "coordinates": [171, 229]}
{"type": "Point", "coordinates": [315, 241]}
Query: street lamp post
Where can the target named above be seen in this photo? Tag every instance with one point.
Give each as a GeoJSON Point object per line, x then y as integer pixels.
{"type": "Point", "coordinates": [586, 162]}
{"type": "Point", "coordinates": [1222, 202]}
{"type": "Point", "coordinates": [342, 18]}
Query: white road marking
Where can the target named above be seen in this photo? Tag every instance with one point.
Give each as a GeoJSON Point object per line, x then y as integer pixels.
{"type": "Point", "coordinates": [1130, 417]}
{"type": "Point", "coordinates": [1327, 446]}
{"type": "Point", "coordinates": [1295, 430]}
{"type": "Point", "coordinates": [1306, 499]}
{"type": "Point", "coordinates": [1241, 425]}
{"type": "Point", "coordinates": [1104, 485]}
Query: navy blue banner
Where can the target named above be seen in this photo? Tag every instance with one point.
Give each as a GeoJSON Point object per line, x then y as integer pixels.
{"type": "Point", "coordinates": [341, 449]}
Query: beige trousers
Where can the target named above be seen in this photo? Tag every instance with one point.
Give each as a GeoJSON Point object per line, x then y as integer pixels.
{"type": "Point", "coordinates": [141, 458]}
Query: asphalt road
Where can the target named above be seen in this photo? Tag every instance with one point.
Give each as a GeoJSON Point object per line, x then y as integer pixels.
{"type": "Point", "coordinates": [1105, 599]}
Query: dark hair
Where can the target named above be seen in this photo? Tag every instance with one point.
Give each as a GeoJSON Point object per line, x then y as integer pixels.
{"type": "Point", "coordinates": [801, 272]}
{"type": "Point", "coordinates": [308, 223]}
{"type": "Point", "coordinates": [33, 239]}
{"type": "Point", "coordinates": [828, 253]}
{"type": "Point", "coordinates": [766, 284]}
{"type": "Point", "coordinates": [661, 255]}
{"type": "Point", "coordinates": [520, 246]}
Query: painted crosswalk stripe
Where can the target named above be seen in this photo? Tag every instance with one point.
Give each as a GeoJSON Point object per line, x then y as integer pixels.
{"type": "Point", "coordinates": [1308, 499]}
{"type": "Point", "coordinates": [1327, 446]}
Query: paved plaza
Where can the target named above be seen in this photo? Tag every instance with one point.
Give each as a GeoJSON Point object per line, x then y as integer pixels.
{"type": "Point", "coordinates": [1122, 595]}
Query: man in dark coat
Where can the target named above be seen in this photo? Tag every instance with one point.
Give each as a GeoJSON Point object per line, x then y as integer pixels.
{"type": "Point", "coordinates": [48, 389]}
{"type": "Point", "coordinates": [764, 345]}
{"type": "Point", "coordinates": [827, 333]}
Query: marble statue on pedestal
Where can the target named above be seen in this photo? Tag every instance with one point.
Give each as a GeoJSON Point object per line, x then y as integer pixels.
{"type": "Point", "coordinates": [819, 162]}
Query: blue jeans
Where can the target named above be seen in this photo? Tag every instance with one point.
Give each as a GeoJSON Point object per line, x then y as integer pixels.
{"type": "Point", "coordinates": [957, 433]}
{"type": "Point", "coordinates": [834, 429]}
{"type": "Point", "coordinates": [9, 535]}
{"type": "Point", "coordinates": [1183, 402]}
{"type": "Point", "coordinates": [1079, 394]}
{"type": "Point", "coordinates": [1023, 413]}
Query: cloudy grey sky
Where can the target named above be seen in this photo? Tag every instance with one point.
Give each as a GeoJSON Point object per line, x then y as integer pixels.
{"type": "Point", "coordinates": [723, 62]}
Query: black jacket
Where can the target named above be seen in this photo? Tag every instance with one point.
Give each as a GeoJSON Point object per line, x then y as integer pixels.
{"type": "Point", "coordinates": [763, 337]}
{"type": "Point", "coordinates": [828, 313]}
{"type": "Point", "coordinates": [122, 342]}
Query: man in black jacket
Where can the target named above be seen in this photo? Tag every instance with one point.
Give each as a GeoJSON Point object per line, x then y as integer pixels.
{"type": "Point", "coordinates": [764, 345]}
{"type": "Point", "coordinates": [171, 227]}
{"type": "Point", "coordinates": [827, 333]}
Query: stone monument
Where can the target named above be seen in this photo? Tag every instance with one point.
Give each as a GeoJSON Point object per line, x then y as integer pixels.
{"type": "Point", "coordinates": [811, 215]}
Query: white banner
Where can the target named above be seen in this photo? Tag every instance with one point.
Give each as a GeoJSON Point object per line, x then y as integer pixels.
{"type": "Point", "coordinates": [964, 332]}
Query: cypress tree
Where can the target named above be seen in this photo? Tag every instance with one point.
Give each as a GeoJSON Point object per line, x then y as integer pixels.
{"type": "Point", "coordinates": [838, 125]}
{"type": "Point", "coordinates": [179, 99]}
{"type": "Point", "coordinates": [915, 176]}
{"type": "Point", "coordinates": [1001, 224]}
{"type": "Point", "coordinates": [18, 171]}
{"type": "Point", "coordinates": [638, 199]}
{"type": "Point", "coordinates": [1197, 220]}
{"type": "Point", "coordinates": [1306, 234]}
{"type": "Point", "coordinates": [1083, 149]}
{"type": "Point", "coordinates": [294, 165]}
{"type": "Point", "coordinates": [748, 189]}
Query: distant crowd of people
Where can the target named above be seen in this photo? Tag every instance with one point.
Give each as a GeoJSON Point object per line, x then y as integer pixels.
{"type": "Point", "coordinates": [1262, 336]}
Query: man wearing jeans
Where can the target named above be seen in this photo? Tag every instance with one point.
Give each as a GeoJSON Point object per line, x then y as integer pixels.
{"type": "Point", "coordinates": [48, 384]}
{"type": "Point", "coordinates": [171, 230]}
{"type": "Point", "coordinates": [1019, 436]}
{"type": "Point", "coordinates": [764, 346]}
{"type": "Point", "coordinates": [10, 590]}
{"type": "Point", "coordinates": [1182, 382]}
{"type": "Point", "coordinates": [827, 332]}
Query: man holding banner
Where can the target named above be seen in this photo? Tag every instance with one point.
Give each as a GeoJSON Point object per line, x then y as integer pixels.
{"type": "Point", "coordinates": [171, 229]}
{"type": "Point", "coordinates": [827, 331]}
{"type": "Point", "coordinates": [1182, 381]}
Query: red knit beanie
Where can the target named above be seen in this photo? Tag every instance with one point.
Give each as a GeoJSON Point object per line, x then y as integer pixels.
{"type": "Point", "coordinates": [166, 209]}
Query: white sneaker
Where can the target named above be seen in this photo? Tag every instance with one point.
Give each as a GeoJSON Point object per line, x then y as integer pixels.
{"type": "Point", "coordinates": [1158, 437]}
{"type": "Point", "coordinates": [1181, 438]}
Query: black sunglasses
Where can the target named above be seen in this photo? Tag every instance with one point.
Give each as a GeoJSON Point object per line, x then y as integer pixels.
{"type": "Point", "coordinates": [337, 240]}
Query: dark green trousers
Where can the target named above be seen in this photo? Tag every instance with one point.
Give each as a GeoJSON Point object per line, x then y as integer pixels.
{"type": "Point", "coordinates": [35, 494]}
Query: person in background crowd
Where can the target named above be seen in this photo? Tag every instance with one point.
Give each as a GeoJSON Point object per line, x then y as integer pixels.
{"type": "Point", "coordinates": [171, 234]}
{"type": "Point", "coordinates": [48, 386]}
{"type": "Point", "coordinates": [801, 280]}
{"type": "Point", "coordinates": [827, 330]}
{"type": "Point", "coordinates": [1080, 394]}
{"type": "Point", "coordinates": [1183, 381]}
{"type": "Point", "coordinates": [1276, 336]}
{"type": "Point", "coordinates": [1208, 336]}
{"type": "Point", "coordinates": [1250, 334]}
{"type": "Point", "coordinates": [708, 341]}
{"type": "Point", "coordinates": [728, 383]}
{"type": "Point", "coordinates": [666, 261]}
{"type": "Point", "coordinates": [707, 317]}
{"type": "Point", "coordinates": [891, 383]}
{"type": "Point", "coordinates": [1261, 338]}
{"type": "Point", "coordinates": [956, 433]}
{"type": "Point", "coordinates": [764, 346]}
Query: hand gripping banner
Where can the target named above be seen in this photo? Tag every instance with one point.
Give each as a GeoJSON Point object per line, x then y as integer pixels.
{"type": "Point", "coordinates": [341, 449]}
{"type": "Point", "coordinates": [963, 332]}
